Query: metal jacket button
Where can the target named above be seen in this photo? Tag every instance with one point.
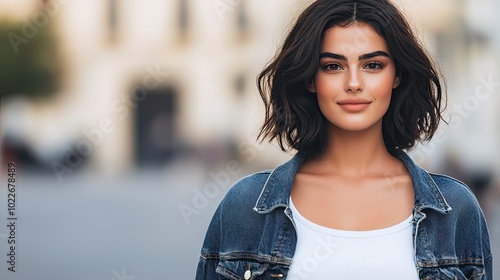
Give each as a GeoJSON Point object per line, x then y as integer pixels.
{"type": "Point", "coordinates": [248, 274]}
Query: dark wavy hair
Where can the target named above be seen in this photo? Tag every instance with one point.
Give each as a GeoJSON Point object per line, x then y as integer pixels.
{"type": "Point", "coordinates": [293, 117]}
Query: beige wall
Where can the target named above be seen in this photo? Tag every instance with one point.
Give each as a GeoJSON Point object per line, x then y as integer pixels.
{"type": "Point", "coordinates": [202, 65]}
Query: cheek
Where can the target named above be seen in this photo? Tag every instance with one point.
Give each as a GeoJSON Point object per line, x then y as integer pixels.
{"type": "Point", "coordinates": [380, 87]}
{"type": "Point", "coordinates": [328, 87]}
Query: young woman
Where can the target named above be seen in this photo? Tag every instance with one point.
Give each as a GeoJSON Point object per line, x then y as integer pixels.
{"type": "Point", "coordinates": [350, 90]}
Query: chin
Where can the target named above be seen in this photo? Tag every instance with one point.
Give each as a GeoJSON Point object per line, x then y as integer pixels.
{"type": "Point", "coordinates": [354, 126]}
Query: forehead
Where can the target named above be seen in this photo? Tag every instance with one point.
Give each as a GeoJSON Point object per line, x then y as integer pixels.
{"type": "Point", "coordinates": [354, 39]}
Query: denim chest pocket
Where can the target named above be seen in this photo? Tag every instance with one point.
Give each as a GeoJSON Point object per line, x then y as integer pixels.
{"type": "Point", "coordinates": [245, 270]}
{"type": "Point", "coordinates": [468, 272]}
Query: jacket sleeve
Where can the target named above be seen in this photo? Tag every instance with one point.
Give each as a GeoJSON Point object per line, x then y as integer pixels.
{"type": "Point", "coordinates": [468, 226]}
{"type": "Point", "coordinates": [229, 225]}
{"type": "Point", "coordinates": [488, 263]}
{"type": "Point", "coordinates": [488, 259]}
{"type": "Point", "coordinates": [484, 236]}
{"type": "Point", "coordinates": [209, 258]}
{"type": "Point", "coordinates": [206, 269]}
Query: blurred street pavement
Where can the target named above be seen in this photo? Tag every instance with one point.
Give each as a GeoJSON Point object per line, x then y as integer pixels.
{"type": "Point", "coordinates": [131, 228]}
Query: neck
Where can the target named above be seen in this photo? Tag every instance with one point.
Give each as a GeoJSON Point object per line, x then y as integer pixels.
{"type": "Point", "coordinates": [355, 153]}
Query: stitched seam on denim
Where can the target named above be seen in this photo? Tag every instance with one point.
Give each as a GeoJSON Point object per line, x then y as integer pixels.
{"type": "Point", "coordinates": [281, 239]}
{"type": "Point", "coordinates": [262, 197]}
{"type": "Point", "coordinates": [447, 262]}
{"type": "Point", "coordinates": [423, 238]}
{"type": "Point", "coordinates": [419, 217]}
{"type": "Point", "coordinates": [210, 256]}
{"type": "Point", "coordinates": [428, 179]}
{"type": "Point", "coordinates": [296, 160]}
{"type": "Point", "coordinates": [227, 273]}
{"type": "Point", "coordinates": [260, 271]}
{"type": "Point", "coordinates": [439, 195]}
{"type": "Point", "coordinates": [247, 256]}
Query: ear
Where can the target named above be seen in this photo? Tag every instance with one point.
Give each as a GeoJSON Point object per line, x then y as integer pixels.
{"type": "Point", "coordinates": [311, 86]}
{"type": "Point", "coordinates": [396, 82]}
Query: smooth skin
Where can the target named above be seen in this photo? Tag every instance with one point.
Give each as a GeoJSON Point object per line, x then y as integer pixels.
{"type": "Point", "coordinates": [356, 184]}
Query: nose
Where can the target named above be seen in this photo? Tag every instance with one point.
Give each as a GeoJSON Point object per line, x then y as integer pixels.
{"type": "Point", "coordinates": [353, 83]}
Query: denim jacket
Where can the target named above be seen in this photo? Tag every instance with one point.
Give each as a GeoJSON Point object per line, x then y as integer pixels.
{"type": "Point", "coordinates": [252, 233]}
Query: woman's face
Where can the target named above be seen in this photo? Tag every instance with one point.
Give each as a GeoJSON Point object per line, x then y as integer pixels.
{"type": "Point", "coordinates": [355, 77]}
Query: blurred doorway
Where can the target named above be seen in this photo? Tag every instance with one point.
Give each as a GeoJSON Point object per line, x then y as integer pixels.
{"type": "Point", "coordinates": [156, 127]}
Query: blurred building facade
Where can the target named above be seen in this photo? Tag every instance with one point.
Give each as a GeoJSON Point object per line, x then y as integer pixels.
{"type": "Point", "coordinates": [146, 79]}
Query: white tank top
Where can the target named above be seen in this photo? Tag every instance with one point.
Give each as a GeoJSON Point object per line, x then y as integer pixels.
{"type": "Point", "coordinates": [326, 253]}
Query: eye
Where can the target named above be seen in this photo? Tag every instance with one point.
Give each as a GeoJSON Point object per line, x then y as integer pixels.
{"type": "Point", "coordinates": [332, 67]}
{"type": "Point", "coordinates": [374, 65]}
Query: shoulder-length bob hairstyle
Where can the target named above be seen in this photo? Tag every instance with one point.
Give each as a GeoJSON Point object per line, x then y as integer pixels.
{"type": "Point", "coordinates": [293, 117]}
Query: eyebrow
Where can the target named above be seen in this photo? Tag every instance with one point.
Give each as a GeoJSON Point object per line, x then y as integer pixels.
{"type": "Point", "coordinates": [361, 57]}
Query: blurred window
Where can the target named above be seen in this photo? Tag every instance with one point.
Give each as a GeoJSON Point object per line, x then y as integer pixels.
{"type": "Point", "coordinates": [242, 19]}
{"type": "Point", "coordinates": [240, 84]}
{"type": "Point", "coordinates": [112, 19]}
{"type": "Point", "coordinates": [183, 20]}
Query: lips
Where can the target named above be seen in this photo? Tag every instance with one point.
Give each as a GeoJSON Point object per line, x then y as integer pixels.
{"type": "Point", "coordinates": [354, 105]}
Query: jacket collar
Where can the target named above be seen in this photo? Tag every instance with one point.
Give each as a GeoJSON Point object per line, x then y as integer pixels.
{"type": "Point", "coordinates": [276, 191]}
